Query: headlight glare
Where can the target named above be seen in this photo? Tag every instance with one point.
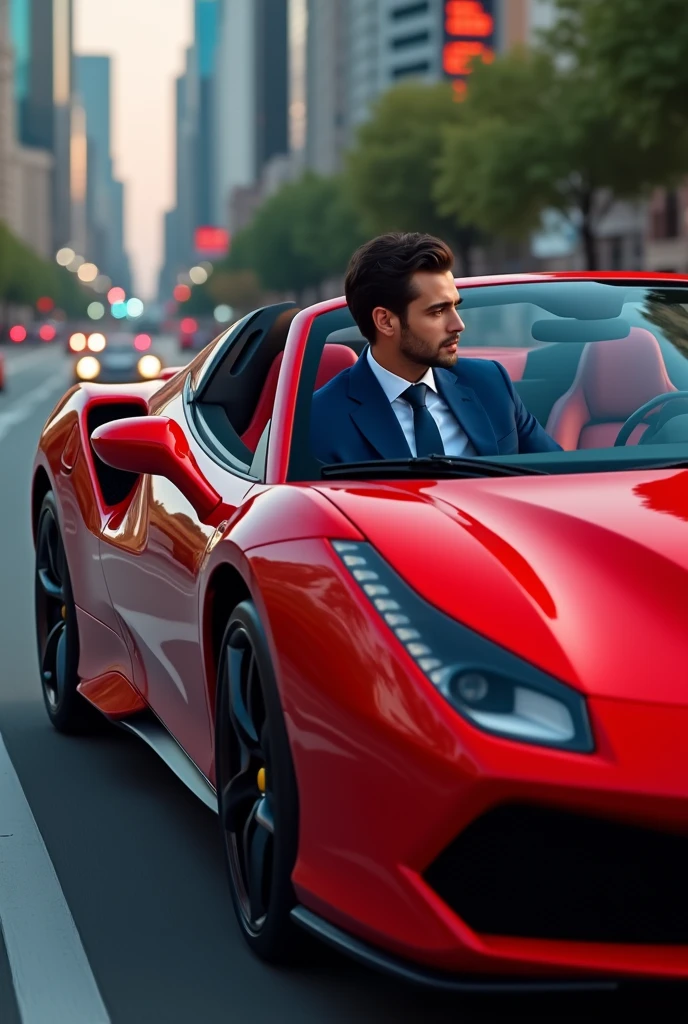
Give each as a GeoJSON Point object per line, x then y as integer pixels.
{"type": "Point", "coordinates": [491, 687]}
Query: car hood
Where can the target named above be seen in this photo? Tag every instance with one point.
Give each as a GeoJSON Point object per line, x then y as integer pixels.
{"type": "Point", "coordinates": [585, 576]}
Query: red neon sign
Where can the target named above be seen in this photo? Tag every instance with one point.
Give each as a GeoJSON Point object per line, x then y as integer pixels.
{"type": "Point", "coordinates": [469, 30]}
{"type": "Point", "coordinates": [468, 18]}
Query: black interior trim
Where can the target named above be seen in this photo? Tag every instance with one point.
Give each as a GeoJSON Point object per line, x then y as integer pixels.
{"type": "Point", "coordinates": [115, 484]}
{"type": "Point", "coordinates": [238, 378]}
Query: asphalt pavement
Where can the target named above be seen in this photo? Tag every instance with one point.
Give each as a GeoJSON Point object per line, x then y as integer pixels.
{"type": "Point", "coordinates": [133, 859]}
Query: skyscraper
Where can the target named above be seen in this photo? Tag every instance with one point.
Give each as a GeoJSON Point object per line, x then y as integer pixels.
{"type": "Point", "coordinates": [42, 40]}
{"type": "Point", "coordinates": [206, 25]}
{"type": "Point", "coordinates": [104, 201]}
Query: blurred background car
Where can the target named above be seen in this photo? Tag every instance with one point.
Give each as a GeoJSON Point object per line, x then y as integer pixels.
{"type": "Point", "coordinates": [114, 358]}
{"type": "Point", "coordinates": [36, 331]}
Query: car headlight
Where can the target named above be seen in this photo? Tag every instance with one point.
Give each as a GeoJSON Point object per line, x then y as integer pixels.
{"type": "Point", "coordinates": [149, 366]}
{"type": "Point", "coordinates": [88, 368]}
{"type": "Point", "coordinates": [492, 688]}
{"type": "Point", "coordinates": [97, 342]}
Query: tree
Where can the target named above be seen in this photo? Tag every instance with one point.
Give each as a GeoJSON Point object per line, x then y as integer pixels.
{"type": "Point", "coordinates": [639, 52]}
{"type": "Point", "coordinates": [392, 168]}
{"type": "Point", "coordinates": [299, 237]}
{"type": "Point", "coordinates": [535, 136]}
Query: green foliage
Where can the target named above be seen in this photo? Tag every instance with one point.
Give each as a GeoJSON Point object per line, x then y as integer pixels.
{"type": "Point", "coordinates": [638, 50]}
{"type": "Point", "coordinates": [393, 165]}
{"type": "Point", "coordinates": [300, 236]}
{"type": "Point", "coordinates": [533, 136]}
{"type": "Point", "coordinates": [25, 277]}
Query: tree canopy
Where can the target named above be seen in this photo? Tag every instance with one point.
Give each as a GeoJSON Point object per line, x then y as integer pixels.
{"type": "Point", "coordinates": [393, 165]}
{"type": "Point", "coordinates": [639, 52]}
{"type": "Point", "coordinates": [25, 277]}
{"type": "Point", "coordinates": [534, 135]}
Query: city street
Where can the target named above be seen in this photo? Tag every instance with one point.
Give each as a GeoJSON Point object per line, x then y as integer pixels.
{"type": "Point", "coordinates": [138, 857]}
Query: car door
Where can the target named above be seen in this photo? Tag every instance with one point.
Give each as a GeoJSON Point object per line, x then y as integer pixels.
{"type": "Point", "coordinates": [153, 552]}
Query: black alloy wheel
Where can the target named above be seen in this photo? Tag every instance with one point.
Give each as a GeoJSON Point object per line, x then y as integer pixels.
{"type": "Point", "coordinates": [56, 629]}
{"type": "Point", "coordinates": [257, 793]}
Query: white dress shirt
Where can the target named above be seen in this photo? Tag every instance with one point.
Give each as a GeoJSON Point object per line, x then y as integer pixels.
{"type": "Point", "coordinates": [453, 437]}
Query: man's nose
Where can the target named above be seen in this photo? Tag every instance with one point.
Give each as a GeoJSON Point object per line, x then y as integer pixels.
{"type": "Point", "coordinates": [457, 323]}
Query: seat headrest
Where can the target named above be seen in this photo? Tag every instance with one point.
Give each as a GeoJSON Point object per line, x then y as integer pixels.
{"type": "Point", "coordinates": [333, 360]}
{"type": "Point", "coordinates": [620, 375]}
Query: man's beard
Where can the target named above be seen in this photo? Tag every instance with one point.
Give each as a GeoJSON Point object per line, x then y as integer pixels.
{"type": "Point", "coordinates": [426, 353]}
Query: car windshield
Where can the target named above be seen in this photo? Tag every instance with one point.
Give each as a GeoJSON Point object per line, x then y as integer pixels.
{"type": "Point", "coordinates": [583, 356]}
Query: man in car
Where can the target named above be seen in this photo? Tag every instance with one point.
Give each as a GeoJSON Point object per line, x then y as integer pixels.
{"type": "Point", "coordinates": [409, 394]}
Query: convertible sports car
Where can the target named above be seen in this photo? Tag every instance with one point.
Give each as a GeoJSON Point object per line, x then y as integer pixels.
{"type": "Point", "coordinates": [439, 704]}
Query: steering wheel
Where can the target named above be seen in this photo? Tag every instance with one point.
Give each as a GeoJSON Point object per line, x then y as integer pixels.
{"type": "Point", "coordinates": [640, 415]}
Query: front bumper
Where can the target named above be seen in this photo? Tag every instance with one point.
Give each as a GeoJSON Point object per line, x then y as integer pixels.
{"type": "Point", "coordinates": [391, 778]}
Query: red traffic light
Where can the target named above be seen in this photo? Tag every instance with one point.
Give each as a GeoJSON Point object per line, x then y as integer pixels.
{"type": "Point", "coordinates": [45, 304]}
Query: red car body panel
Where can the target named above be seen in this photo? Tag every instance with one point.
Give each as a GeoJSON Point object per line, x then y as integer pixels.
{"type": "Point", "coordinates": [388, 773]}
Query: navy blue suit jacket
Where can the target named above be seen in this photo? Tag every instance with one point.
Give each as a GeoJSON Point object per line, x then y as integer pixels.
{"type": "Point", "coordinates": [352, 419]}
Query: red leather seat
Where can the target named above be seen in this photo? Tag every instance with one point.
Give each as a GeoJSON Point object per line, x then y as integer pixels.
{"type": "Point", "coordinates": [334, 359]}
{"type": "Point", "coordinates": [614, 378]}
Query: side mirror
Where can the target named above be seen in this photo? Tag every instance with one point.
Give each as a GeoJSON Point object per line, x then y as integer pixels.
{"type": "Point", "coordinates": [156, 445]}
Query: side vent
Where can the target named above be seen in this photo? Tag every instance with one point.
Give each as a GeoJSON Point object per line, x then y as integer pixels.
{"type": "Point", "coordinates": [115, 484]}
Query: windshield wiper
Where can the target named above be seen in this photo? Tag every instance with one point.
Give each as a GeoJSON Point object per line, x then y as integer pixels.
{"type": "Point", "coordinates": [430, 466]}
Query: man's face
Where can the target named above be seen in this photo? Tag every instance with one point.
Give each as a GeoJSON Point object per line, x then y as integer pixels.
{"type": "Point", "coordinates": [430, 336]}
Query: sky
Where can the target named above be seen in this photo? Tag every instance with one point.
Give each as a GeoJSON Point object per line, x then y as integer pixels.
{"type": "Point", "coordinates": [146, 40]}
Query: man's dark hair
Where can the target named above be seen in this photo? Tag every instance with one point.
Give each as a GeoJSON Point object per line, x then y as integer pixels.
{"type": "Point", "coordinates": [380, 272]}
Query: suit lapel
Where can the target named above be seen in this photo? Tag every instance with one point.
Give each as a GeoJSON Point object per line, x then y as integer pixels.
{"type": "Point", "coordinates": [373, 414]}
{"type": "Point", "coordinates": [469, 411]}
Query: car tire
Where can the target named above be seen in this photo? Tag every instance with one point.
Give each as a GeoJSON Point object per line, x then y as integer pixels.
{"type": "Point", "coordinates": [57, 632]}
{"type": "Point", "coordinates": [259, 826]}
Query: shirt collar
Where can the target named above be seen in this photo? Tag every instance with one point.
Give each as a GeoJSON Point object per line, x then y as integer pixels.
{"type": "Point", "coordinates": [394, 386]}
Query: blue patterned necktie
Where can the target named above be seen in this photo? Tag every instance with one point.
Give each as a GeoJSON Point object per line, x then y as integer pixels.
{"type": "Point", "coordinates": [428, 437]}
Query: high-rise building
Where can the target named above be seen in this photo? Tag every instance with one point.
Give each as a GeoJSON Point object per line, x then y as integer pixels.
{"type": "Point", "coordinates": [46, 119]}
{"type": "Point", "coordinates": [104, 199]}
{"type": "Point", "coordinates": [252, 90]}
{"type": "Point", "coordinates": [25, 173]}
{"type": "Point", "coordinates": [206, 25]}
{"type": "Point", "coordinates": [357, 49]}
{"type": "Point", "coordinates": [327, 79]}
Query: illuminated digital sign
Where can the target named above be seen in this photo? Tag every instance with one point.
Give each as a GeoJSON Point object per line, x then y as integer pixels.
{"type": "Point", "coordinates": [469, 32]}
{"type": "Point", "coordinates": [211, 241]}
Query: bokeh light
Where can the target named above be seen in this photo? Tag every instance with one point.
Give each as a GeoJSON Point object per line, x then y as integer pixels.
{"type": "Point", "coordinates": [45, 304]}
{"type": "Point", "coordinates": [119, 310]}
{"type": "Point", "coordinates": [116, 295]}
{"type": "Point", "coordinates": [102, 283]}
{"type": "Point", "coordinates": [96, 342]}
{"type": "Point", "coordinates": [198, 275]}
{"type": "Point", "coordinates": [88, 368]}
{"type": "Point", "coordinates": [17, 333]}
{"type": "Point", "coordinates": [182, 292]}
{"type": "Point", "coordinates": [65, 256]}
{"type": "Point", "coordinates": [149, 366]}
{"type": "Point", "coordinates": [87, 272]}
{"type": "Point", "coordinates": [134, 307]}
{"type": "Point", "coordinates": [47, 332]}
{"type": "Point", "coordinates": [142, 342]}
{"type": "Point", "coordinates": [188, 325]}
{"type": "Point", "coordinates": [207, 266]}
{"type": "Point", "coordinates": [75, 263]}
{"type": "Point", "coordinates": [223, 314]}
{"type": "Point", "coordinates": [96, 310]}
{"type": "Point", "coordinates": [77, 342]}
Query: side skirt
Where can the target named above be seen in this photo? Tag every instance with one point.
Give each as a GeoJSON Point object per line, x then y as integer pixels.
{"type": "Point", "coordinates": [149, 729]}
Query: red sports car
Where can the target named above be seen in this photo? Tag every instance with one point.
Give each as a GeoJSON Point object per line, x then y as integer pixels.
{"type": "Point", "coordinates": [440, 704]}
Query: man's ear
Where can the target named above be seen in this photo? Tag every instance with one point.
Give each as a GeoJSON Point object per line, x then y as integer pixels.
{"type": "Point", "coordinates": [385, 321]}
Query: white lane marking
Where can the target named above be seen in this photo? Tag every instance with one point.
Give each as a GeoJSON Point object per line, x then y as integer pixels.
{"type": "Point", "coordinates": [23, 406]}
{"type": "Point", "coordinates": [52, 977]}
